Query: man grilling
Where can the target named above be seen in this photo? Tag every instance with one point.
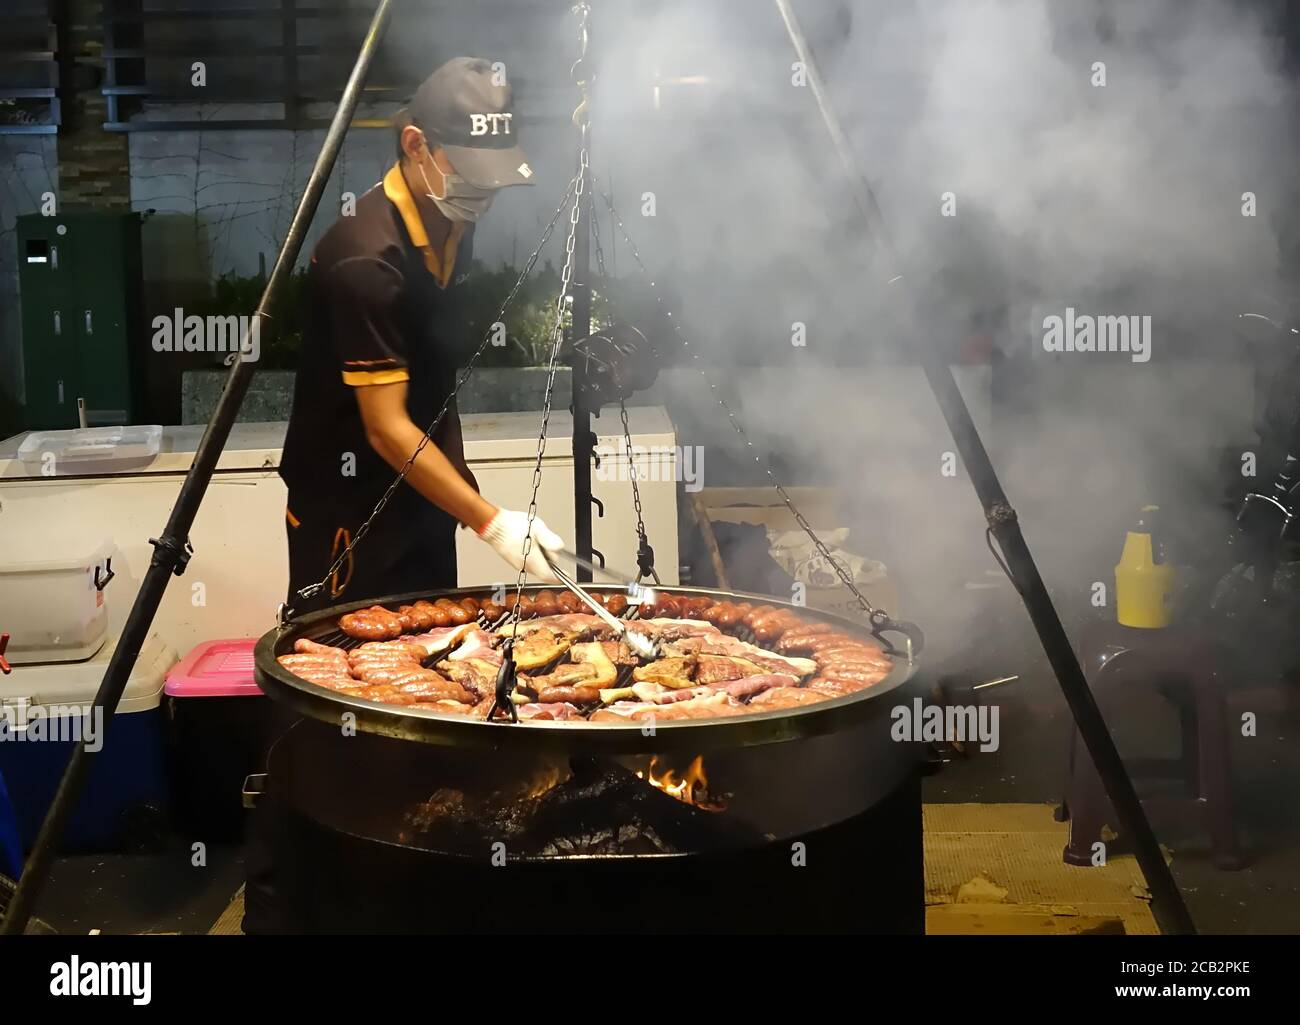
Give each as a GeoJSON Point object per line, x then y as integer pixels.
{"type": "Point", "coordinates": [378, 360]}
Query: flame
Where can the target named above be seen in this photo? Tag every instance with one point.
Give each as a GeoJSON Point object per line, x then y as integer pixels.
{"type": "Point", "coordinates": [691, 787]}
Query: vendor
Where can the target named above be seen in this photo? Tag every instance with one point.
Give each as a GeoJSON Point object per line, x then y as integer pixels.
{"type": "Point", "coordinates": [378, 360]}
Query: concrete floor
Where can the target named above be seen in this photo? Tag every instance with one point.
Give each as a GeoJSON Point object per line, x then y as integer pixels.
{"type": "Point", "coordinates": [1030, 766]}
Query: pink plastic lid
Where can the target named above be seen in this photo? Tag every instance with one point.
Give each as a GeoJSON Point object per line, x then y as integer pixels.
{"type": "Point", "coordinates": [215, 669]}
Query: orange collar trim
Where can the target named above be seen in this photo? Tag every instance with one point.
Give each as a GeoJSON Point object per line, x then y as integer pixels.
{"type": "Point", "coordinates": [399, 194]}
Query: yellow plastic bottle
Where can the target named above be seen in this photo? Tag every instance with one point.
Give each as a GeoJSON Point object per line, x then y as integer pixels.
{"type": "Point", "coordinates": [1143, 587]}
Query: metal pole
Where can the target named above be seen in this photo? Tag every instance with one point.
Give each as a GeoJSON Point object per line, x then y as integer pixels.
{"type": "Point", "coordinates": [1167, 902]}
{"type": "Point", "coordinates": [171, 551]}
{"type": "Point", "coordinates": [584, 441]}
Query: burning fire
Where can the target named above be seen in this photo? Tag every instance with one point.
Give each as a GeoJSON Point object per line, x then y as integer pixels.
{"type": "Point", "coordinates": [692, 787]}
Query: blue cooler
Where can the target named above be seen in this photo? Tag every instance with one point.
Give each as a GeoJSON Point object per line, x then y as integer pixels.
{"type": "Point", "coordinates": [124, 803]}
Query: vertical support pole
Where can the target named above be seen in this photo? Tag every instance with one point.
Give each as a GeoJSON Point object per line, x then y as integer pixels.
{"type": "Point", "coordinates": [584, 440]}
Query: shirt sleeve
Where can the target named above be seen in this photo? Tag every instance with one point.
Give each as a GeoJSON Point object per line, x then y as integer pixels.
{"type": "Point", "coordinates": [363, 297]}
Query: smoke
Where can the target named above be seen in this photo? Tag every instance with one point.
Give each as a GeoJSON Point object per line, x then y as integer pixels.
{"type": "Point", "coordinates": [1027, 156]}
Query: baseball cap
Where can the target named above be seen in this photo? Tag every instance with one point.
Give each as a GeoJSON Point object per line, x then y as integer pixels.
{"type": "Point", "coordinates": [462, 109]}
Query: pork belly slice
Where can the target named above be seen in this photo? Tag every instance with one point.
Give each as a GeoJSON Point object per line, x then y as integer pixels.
{"type": "Point", "coordinates": [477, 645]}
{"type": "Point", "coordinates": [724, 644]}
{"type": "Point", "coordinates": [558, 710]}
{"type": "Point", "coordinates": [441, 639]}
{"type": "Point", "coordinates": [658, 694]}
{"type": "Point", "coordinates": [785, 697]}
{"type": "Point", "coordinates": [703, 707]}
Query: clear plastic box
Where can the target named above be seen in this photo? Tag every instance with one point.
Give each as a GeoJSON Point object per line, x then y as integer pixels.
{"type": "Point", "coordinates": [89, 450]}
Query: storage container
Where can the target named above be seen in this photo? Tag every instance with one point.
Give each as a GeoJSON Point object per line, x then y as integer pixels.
{"type": "Point", "coordinates": [91, 450]}
{"type": "Point", "coordinates": [52, 605]}
{"type": "Point", "coordinates": [43, 713]}
{"type": "Point", "coordinates": [218, 732]}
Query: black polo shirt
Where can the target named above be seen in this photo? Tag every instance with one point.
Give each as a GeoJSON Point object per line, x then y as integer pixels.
{"type": "Point", "coordinates": [384, 307]}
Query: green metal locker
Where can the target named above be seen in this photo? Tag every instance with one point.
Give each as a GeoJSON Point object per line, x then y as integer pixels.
{"type": "Point", "coordinates": [83, 334]}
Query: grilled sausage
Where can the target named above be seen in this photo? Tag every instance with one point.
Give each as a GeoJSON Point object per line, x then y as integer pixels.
{"type": "Point", "coordinates": [545, 604]}
{"type": "Point", "coordinates": [435, 614]}
{"type": "Point", "coordinates": [492, 611]}
{"type": "Point", "coordinates": [470, 605]}
{"type": "Point", "coordinates": [798, 640]}
{"type": "Point", "coordinates": [751, 617]}
{"type": "Point", "coordinates": [668, 607]}
{"type": "Point", "coordinates": [693, 607]}
{"type": "Point", "coordinates": [570, 603]}
{"type": "Point", "coordinates": [616, 604]}
{"type": "Point", "coordinates": [373, 624]}
{"type": "Point", "coordinates": [305, 647]}
{"type": "Point", "coordinates": [573, 695]}
{"type": "Point", "coordinates": [458, 614]}
{"type": "Point", "coordinates": [728, 617]}
{"type": "Point", "coordinates": [711, 613]}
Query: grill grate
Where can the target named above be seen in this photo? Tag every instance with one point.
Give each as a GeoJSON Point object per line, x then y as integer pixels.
{"type": "Point", "coordinates": [336, 638]}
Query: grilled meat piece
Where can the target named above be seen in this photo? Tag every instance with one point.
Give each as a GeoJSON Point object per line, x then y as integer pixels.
{"type": "Point", "coordinates": [583, 626]}
{"type": "Point", "coordinates": [749, 686]}
{"type": "Point", "coordinates": [785, 697]}
{"type": "Point", "coordinates": [721, 644]}
{"type": "Point", "coordinates": [674, 672]}
{"type": "Point", "coordinates": [721, 668]}
{"type": "Point", "coordinates": [594, 655]}
{"type": "Point", "coordinates": [439, 639]}
{"type": "Point", "coordinates": [703, 707]}
{"type": "Point", "coordinates": [558, 710]}
{"type": "Point", "coordinates": [540, 647]}
{"type": "Point", "coordinates": [567, 675]}
{"type": "Point", "coordinates": [658, 694]}
{"type": "Point", "coordinates": [665, 630]}
{"type": "Point", "coordinates": [477, 644]}
{"type": "Point", "coordinates": [474, 674]}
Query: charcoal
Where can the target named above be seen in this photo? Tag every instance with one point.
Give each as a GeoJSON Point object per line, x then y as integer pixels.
{"type": "Point", "coordinates": [602, 808]}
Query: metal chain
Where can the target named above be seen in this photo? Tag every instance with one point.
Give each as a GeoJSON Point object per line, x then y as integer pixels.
{"type": "Point", "coordinates": [561, 304]}
{"type": "Point", "coordinates": [642, 539]}
{"type": "Point", "coordinates": [313, 589]}
{"type": "Point", "coordinates": [766, 466]}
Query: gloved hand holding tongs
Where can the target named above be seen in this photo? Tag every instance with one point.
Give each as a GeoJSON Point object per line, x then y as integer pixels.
{"type": "Point", "coordinates": [642, 645]}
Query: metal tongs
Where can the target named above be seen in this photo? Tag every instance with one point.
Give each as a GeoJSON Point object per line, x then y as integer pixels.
{"type": "Point", "coordinates": [641, 645]}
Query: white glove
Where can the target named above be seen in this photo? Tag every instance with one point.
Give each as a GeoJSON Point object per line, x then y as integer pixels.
{"type": "Point", "coordinates": [505, 534]}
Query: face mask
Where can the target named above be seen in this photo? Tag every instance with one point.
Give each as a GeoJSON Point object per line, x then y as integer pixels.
{"type": "Point", "coordinates": [463, 201]}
